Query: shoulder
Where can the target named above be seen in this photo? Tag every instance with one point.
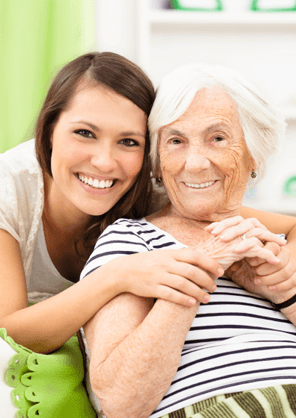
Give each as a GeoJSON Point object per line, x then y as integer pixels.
{"type": "Point", "coordinates": [20, 159]}
{"type": "Point", "coordinates": [21, 178]}
{"type": "Point", "coordinates": [133, 230]}
{"type": "Point", "coordinates": [21, 187]}
{"type": "Point", "coordinates": [123, 237]}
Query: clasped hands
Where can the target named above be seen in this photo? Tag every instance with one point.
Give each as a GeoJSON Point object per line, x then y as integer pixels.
{"type": "Point", "coordinates": [271, 272]}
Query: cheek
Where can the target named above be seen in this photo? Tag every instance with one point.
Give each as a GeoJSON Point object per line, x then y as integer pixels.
{"type": "Point", "coordinates": [170, 162]}
{"type": "Point", "coordinates": [133, 164]}
{"type": "Point", "coordinates": [235, 169]}
{"type": "Point", "coordinates": [234, 163]}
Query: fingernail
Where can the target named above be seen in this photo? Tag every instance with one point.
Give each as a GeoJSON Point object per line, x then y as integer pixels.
{"type": "Point", "coordinates": [271, 287]}
{"type": "Point", "coordinates": [206, 299]}
{"type": "Point", "coordinates": [213, 288]}
{"type": "Point", "coordinates": [257, 281]}
{"type": "Point", "coordinates": [191, 302]}
{"type": "Point", "coordinates": [220, 272]}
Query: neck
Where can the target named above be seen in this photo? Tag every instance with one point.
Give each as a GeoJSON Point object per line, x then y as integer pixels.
{"type": "Point", "coordinates": [189, 231]}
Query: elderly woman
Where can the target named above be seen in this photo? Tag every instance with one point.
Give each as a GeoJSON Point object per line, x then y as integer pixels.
{"type": "Point", "coordinates": [234, 355]}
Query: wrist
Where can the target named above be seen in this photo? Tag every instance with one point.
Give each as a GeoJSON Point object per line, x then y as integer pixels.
{"type": "Point", "coordinates": [111, 278]}
{"type": "Point", "coordinates": [288, 308]}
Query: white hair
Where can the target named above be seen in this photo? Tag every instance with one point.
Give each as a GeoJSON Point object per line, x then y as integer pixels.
{"type": "Point", "coordinates": [262, 123]}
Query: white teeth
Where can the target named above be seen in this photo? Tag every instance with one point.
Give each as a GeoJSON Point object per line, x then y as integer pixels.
{"type": "Point", "coordinates": [102, 184]}
{"type": "Point", "coordinates": [201, 185]}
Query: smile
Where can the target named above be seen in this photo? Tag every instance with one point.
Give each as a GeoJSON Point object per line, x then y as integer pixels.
{"type": "Point", "coordinates": [201, 185]}
{"type": "Point", "coordinates": [95, 183]}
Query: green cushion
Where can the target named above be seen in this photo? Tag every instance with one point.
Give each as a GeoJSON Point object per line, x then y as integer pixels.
{"type": "Point", "coordinates": [48, 385]}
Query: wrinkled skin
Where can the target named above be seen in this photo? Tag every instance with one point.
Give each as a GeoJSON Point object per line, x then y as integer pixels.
{"type": "Point", "coordinates": [205, 144]}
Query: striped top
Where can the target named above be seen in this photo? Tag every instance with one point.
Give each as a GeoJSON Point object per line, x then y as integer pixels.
{"type": "Point", "coordinates": [237, 341]}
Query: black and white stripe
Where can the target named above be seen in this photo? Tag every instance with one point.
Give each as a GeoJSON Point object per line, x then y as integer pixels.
{"type": "Point", "coordinates": [237, 342]}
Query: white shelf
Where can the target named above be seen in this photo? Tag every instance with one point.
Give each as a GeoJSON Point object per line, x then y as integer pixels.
{"type": "Point", "coordinates": [178, 17]}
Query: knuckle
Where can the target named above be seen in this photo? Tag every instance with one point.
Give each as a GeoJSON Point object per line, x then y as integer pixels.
{"type": "Point", "coordinates": [166, 293]}
{"type": "Point", "coordinates": [180, 282]}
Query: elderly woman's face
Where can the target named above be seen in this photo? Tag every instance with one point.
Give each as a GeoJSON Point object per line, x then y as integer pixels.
{"type": "Point", "coordinates": [204, 160]}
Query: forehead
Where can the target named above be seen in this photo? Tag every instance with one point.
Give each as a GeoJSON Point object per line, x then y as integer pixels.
{"type": "Point", "coordinates": [210, 106]}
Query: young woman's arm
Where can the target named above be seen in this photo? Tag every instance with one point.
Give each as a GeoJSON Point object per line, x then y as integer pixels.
{"type": "Point", "coordinates": [274, 222]}
{"type": "Point", "coordinates": [44, 327]}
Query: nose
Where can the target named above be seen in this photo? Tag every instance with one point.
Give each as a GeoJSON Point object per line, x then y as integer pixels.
{"type": "Point", "coordinates": [196, 160]}
{"type": "Point", "coordinates": [104, 158]}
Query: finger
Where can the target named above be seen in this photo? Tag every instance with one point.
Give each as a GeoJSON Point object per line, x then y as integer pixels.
{"type": "Point", "coordinates": [278, 276]}
{"type": "Point", "coordinates": [283, 255]}
{"type": "Point", "coordinates": [244, 227]}
{"type": "Point", "coordinates": [247, 245]}
{"type": "Point", "coordinates": [275, 248]}
{"type": "Point", "coordinates": [217, 227]}
{"type": "Point", "coordinates": [186, 278]}
{"type": "Point", "coordinates": [199, 259]}
{"type": "Point", "coordinates": [253, 247]}
{"type": "Point", "coordinates": [173, 295]}
{"type": "Point", "coordinates": [266, 236]}
{"type": "Point", "coordinates": [268, 256]}
{"type": "Point", "coordinates": [284, 285]}
{"type": "Point", "coordinates": [255, 261]}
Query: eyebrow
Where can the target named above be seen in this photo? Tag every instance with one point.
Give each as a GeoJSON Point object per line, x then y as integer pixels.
{"type": "Point", "coordinates": [211, 128]}
{"type": "Point", "coordinates": [217, 126]}
{"type": "Point", "coordinates": [97, 129]}
{"type": "Point", "coordinates": [168, 131]}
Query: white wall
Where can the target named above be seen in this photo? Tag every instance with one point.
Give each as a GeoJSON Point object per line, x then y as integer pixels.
{"type": "Point", "coordinates": [265, 52]}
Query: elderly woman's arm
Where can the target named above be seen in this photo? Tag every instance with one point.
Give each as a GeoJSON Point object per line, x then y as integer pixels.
{"type": "Point", "coordinates": [135, 349]}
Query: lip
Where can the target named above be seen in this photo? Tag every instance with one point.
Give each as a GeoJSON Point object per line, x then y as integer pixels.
{"type": "Point", "coordinates": [94, 176]}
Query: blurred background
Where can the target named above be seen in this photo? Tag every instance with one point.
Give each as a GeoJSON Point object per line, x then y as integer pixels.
{"type": "Point", "coordinates": [255, 37]}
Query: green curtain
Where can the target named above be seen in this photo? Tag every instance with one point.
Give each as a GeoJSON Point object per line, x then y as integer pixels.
{"type": "Point", "coordinates": [37, 37]}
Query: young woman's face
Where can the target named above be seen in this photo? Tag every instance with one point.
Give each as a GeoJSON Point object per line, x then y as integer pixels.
{"type": "Point", "coordinates": [97, 150]}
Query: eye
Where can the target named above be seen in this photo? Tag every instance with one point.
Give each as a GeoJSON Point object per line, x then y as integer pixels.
{"type": "Point", "coordinates": [175, 141]}
{"type": "Point", "coordinates": [218, 138]}
{"type": "Point", "coordinates": [129, 142]}
{"type": "Point", "coordinates": [85, 133]}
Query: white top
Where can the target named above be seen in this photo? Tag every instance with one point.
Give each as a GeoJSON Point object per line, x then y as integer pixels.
{"type": "Point", "coordinates": [236, 342]}
{"type": "Point", "coordinates": [21, 207]}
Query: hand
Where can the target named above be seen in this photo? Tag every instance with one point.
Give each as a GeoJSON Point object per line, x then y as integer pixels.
{"type": "Point", "coordinates": [231, 228]}
{"type": "Point", "coordinates": [276, 282]}
{"type": "Point", "coordinates": [181, 276]}
{"type": "Point", "coordinates": [280, 279]}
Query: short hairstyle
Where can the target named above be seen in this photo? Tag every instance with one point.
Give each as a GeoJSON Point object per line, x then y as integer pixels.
{"type": "Point", "coordinates": [262, 123]}
{"type": "Point", "coordinates": [118, 74]}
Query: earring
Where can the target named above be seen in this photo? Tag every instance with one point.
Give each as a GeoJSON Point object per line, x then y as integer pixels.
{"type": "Point", "coordinates": [253, 174]}
{"type": "Point", "coordinates": [158, 180]}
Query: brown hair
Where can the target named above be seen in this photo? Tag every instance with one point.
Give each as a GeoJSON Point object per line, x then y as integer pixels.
{"type": "Point", "coordinates": [123, 77]}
